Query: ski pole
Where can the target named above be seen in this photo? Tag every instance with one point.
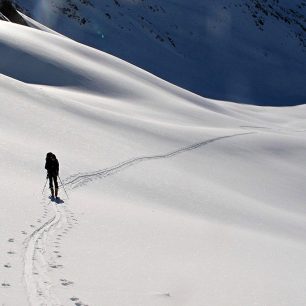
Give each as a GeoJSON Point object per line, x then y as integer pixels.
{"type": "Point", "coordinates": [45, 186]}
{"type": "Point", "coordinates": [63, 186]}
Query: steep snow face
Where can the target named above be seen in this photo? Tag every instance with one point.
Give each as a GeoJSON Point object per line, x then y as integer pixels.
{"type": "Point", "coordinates": [174, 199]}
{"type": "Point", "coordinates": [246, 51]}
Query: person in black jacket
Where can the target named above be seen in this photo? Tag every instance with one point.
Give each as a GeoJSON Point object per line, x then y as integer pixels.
{"type": "Point", "coordinates": [52, 167]}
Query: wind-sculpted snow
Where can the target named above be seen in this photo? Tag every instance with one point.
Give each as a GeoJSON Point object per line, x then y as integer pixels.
{"type": "Point", "coordinates": [204, 200]}
{"type": "Point", "coordinates": [198, 45]}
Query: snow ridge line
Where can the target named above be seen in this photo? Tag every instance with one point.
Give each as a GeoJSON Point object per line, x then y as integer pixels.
{"type": "Point", "coordinates": [80, 179]}
{"type": "Point", "coordinates": [35, 264]}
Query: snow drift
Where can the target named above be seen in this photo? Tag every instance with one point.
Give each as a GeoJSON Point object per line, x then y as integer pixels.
{"type": "Point", "coordinates": [174, 199]}
{"type": "Point", "coordinates": [236, 50]}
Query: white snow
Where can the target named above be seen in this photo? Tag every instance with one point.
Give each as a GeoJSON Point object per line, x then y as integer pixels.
{"type": "Point", "coordinates": [174, 199]}
{"type": "Point", "coordinates": [212, 48]}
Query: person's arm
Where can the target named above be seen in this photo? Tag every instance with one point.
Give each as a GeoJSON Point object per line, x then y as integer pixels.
{"type": "Point", "coordinates": [57, 167]}
{"type": "Point", "coordinates": [46, 167]}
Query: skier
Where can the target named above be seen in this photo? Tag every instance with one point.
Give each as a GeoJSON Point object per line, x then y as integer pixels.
{"type": "Point", "coordinates": [52, 167]}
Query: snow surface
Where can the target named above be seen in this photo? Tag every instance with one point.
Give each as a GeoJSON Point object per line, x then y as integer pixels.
{"type": "Point", "coordinates": [212, 48]}
{"type": "Point", "coordinates": [174, 199]}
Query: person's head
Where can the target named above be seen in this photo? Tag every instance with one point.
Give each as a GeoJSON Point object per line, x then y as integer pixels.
{"type": "Point", "coordinates": [50, 155]}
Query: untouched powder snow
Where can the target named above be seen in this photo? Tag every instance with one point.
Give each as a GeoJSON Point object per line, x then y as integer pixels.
{"type": "Point", "coordinates": [173, 199]}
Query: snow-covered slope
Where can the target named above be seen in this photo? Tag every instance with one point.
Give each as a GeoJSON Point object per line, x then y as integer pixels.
{"type": "Point", "coordinates": [236, 50]}
{"type": "Point", "coordinates": [174, 199]}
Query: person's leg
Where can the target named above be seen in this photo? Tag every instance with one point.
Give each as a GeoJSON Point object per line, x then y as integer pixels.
{"type": "Point", "coordinates": [56, 185]}
{"type": "Point", "coordinates": [51, 185]}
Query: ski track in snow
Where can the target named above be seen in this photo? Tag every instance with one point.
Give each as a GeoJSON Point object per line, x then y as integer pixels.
{"type": "Point", "coordinates": [80, 179]}
{"type": "Point", "coordinates": [41, 256]}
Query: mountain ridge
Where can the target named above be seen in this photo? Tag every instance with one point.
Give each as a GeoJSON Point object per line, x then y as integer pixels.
{"type": "Point", "coordinates": [248, 51]}
{"type": "Point", "coordinates": [171, 197]}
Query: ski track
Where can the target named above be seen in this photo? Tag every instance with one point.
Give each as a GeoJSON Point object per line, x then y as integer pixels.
{"type": "Point", "coordinates": [37, 259]}
{"type": "Point", "coordinates": [80, 179]}
{"type": "Point", "coordinates": [37, 264]}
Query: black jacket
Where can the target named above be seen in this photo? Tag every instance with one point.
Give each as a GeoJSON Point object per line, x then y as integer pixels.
{"type": "Point", "coordinates": [52, 166]}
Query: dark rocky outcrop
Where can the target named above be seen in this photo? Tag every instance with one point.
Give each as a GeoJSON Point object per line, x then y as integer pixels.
{"type": "Point", "coordinates": [10, 12]}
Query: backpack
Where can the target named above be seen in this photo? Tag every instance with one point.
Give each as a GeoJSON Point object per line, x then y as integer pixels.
{"type": "Point", "coordinates": [52, 164]}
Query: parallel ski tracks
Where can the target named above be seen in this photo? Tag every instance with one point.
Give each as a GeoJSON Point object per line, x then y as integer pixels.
{"type": "Point", "coordinates": [80, 179]}
{"type": "Point", "coordinates": [36, 266]}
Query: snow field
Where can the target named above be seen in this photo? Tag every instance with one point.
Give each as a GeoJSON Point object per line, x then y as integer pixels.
{"type": "Point", "coordinates": [174, 199]}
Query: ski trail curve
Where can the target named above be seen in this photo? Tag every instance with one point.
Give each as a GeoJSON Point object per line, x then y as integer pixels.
{"type": "Point", "coordinates": [36, 265]}
{"type": "Point", "coordinates": [80, 179]}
